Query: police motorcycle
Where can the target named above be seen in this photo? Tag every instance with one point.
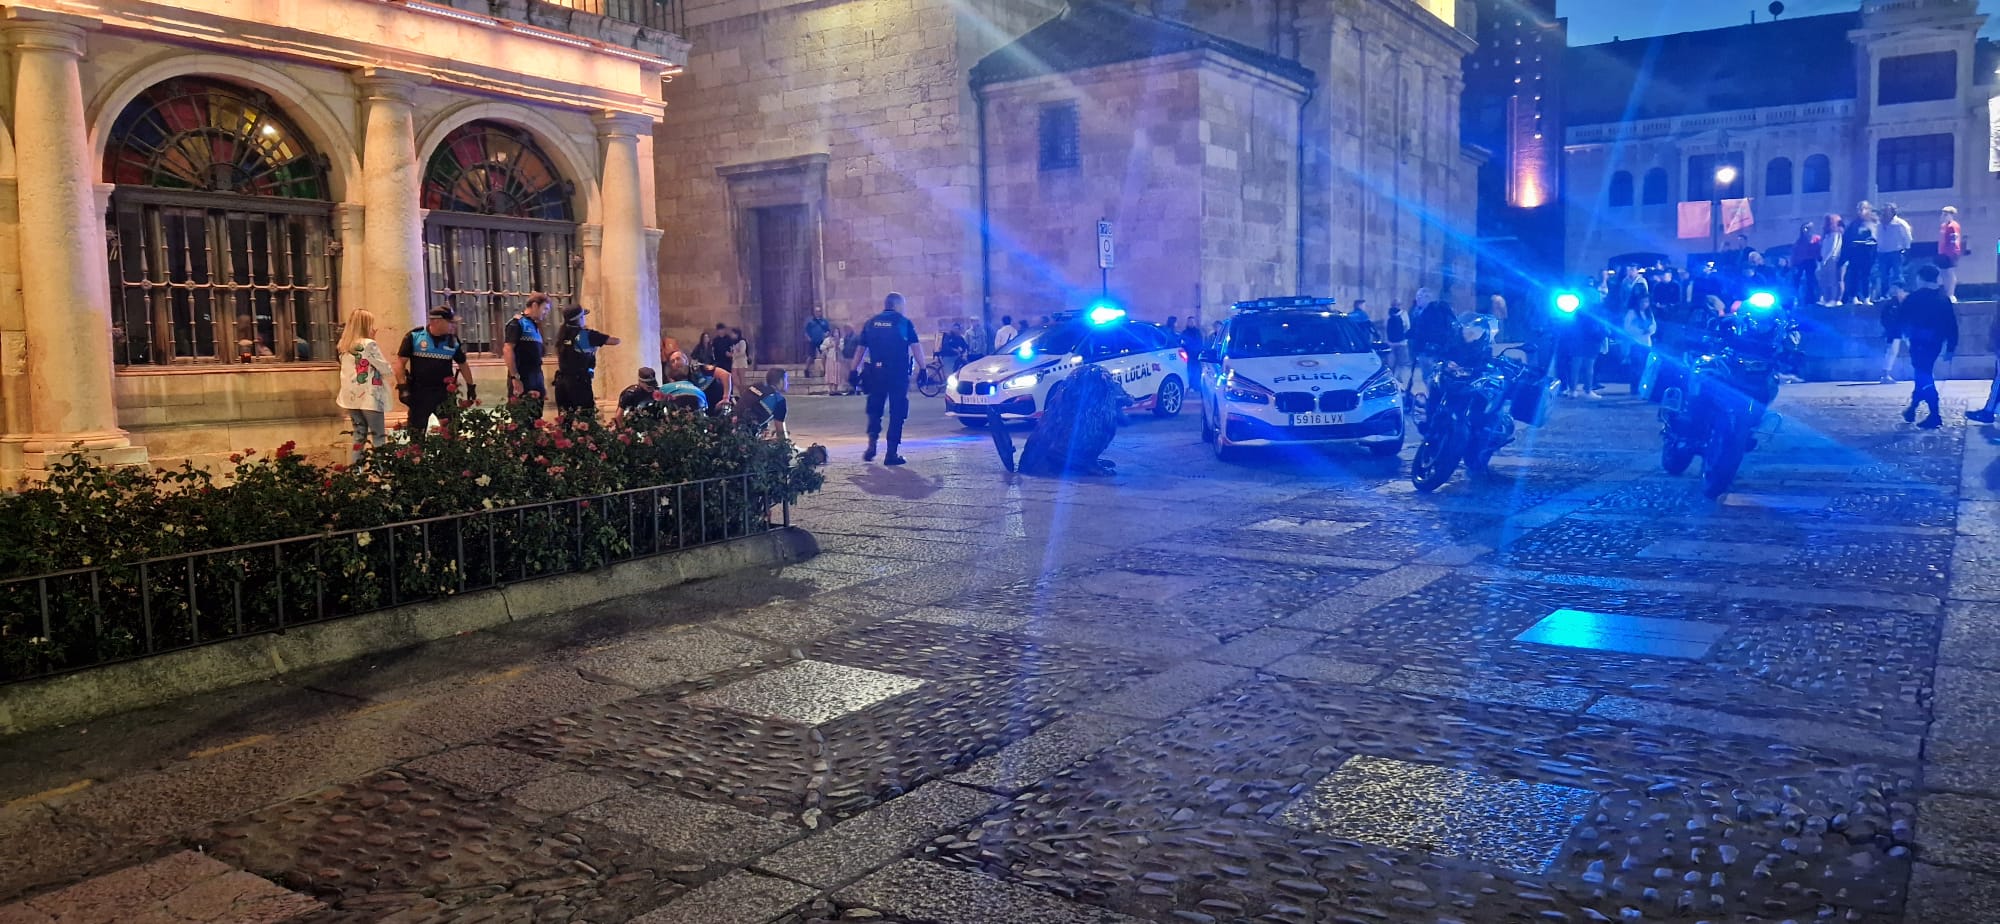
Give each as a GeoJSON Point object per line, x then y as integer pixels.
{"type": "Point", "coordinates": [1478, 399]}
{"type": "Point", "coordinates": [1725, 404]}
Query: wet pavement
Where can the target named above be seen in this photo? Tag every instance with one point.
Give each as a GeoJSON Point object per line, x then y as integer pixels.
{"type": "Point", "coordinates": [1285, 690]}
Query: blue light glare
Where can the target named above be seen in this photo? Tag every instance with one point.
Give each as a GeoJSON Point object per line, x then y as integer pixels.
{"type": "Point", "coordinates": [1026, 352]}
{"type": "Point", "coordinates": [1568, 302]}
{"type": "Point", "coordinates": [1104, 313]}
{"type": "Point", "coordinates": [1762, 301]}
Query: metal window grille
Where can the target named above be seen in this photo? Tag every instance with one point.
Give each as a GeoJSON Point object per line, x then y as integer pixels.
{"type": "Point", "coordinates": [485, 268]}
{"type": "Point", "coordinates": [209, 278]}
{"type": "Point", "coordinates": [1059, 145]}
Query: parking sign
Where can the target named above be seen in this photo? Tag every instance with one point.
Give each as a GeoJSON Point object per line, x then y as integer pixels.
{"type": "Point", "coordinates": [1103, 244]}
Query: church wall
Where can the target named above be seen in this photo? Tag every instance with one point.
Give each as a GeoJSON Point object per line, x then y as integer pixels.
{"type": "Point", "coordinates": [878, 89]}
{"type": "Point", "coordinates": [1143, 161]}
{"type": "Point", "coordinates": [1249, 188]}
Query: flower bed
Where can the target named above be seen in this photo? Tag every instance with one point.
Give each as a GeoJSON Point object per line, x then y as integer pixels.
{"type": "Point", "coordinates": [92, 561]}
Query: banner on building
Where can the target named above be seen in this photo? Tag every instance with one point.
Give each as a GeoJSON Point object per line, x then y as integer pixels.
{"type": "Point", "coordinates": [1736, 215]}
{"type": "Point", "coordinates": [1993, 134]}
{"type": "Point", "coordinates": [1695, 218]}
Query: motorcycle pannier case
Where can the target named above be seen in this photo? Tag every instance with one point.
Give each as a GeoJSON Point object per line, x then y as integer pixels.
{"type": "Point", "coordinates": [1532, 400]}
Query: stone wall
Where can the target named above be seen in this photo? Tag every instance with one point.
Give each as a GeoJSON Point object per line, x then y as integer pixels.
{"type": "Point", "coordinates": [1387, 196]}
{"type": "Point", "coordinates": [876, 87]}
{"type": "Point", "coordinates": [1187, 155]}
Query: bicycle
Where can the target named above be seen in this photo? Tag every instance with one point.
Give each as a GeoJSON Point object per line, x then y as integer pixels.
{"type": "Point", "coordinates": [930, 379]}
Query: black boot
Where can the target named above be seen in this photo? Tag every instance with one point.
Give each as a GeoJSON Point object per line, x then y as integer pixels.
{"type": "Point", "coordinates": [869, 455]}
{"type": "Point", "coordinates": [892, 458]}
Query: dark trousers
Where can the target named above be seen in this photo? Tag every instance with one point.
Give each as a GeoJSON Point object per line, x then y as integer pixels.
{"type": "Point", "coordinates": [534, 391]}
{"type": "Point", "coordinates": [1923, 357]}
{"type": "Point", "coordinates": [573, 393]}
{"type": "Point", "coordinates": [422, 405]}
{"type": "Point", "coordinates": [888, 387]}
{"type": "Point", "coordinates": [1860, 273]}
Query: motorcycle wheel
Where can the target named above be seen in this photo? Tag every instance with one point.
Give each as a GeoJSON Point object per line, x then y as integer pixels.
{"type": "Point", "coordinates": [1436, 459]}
{"type": "Point", "coordinates": [1720, 459]}
{"type": "Point", "coordinates": [1675, 456]}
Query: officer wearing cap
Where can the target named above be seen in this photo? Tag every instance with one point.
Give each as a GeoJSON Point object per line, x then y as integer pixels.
{"type": "Point", "coordinates": [576, 361]}
{"type": "Point", "coordinates": [430, 364]}
{"type": "Point", "coordinates": [890, 352]}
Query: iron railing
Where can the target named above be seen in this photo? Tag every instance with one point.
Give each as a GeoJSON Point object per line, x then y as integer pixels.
{"type": "Point", "coordinates": [87, 617]}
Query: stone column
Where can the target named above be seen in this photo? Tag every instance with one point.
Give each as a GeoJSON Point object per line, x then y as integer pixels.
{"type": "Point", "coordinates": [65, 285]}
{"type": "Point", "coordinates": [391, 179]}
{"type": "Point", "coordinates": [623, 310]}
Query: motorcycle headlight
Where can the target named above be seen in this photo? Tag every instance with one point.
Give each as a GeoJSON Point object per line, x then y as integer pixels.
{"type": "Point", "coordinates": [1022, 381]}
{"type": "Point", "coordinates": [1379, 385]}
{"type": "Point", "coordinates": [1237, 388]}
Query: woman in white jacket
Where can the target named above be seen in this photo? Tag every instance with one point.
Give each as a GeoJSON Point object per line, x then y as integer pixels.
{"type": "Point", "coordinates": [1639, 327]}
{"type": "Point", "coordinates": [364, 382]}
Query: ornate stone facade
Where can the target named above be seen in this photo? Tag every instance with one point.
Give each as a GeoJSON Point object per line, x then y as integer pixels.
{"type": "Point", "coordinates": [123, 254]}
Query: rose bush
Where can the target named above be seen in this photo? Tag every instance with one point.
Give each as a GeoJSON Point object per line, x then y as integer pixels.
{"type": "Point", "coordinates": [109, 519]}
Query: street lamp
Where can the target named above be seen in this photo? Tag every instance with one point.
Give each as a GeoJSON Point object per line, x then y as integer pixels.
{"type": "Point", "coordinates": [1724, 175]}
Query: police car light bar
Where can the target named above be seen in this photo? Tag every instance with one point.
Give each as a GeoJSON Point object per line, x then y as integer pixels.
{"type": "Point", "coordinates": [1104, 313]}
{"type": "Point", "coordinates": [1568, 302]}
{"type": "Point", "coordinates": [1287, 301]}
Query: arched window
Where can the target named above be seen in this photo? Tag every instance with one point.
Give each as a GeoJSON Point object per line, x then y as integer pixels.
{"type": "Point", "coordinates": [1621, 189]}
{"type": "Point", "coordinates": [1654, 192]}
{"type": "Point", "coordinates": [1817, 177]}
{"type": "Point", "coordinates": [501, 227]}
{"type": "Point", "coordinates": [1778, 177]}
{"type": "Point", "coordinates": [220, 230]}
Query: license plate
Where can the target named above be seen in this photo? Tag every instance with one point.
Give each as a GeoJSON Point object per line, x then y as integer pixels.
{"type": "Point", "coordinates": [1316, 420]}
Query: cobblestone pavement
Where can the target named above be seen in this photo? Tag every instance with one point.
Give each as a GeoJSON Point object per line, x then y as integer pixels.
{"type": "Point", "coordinates": [1289, 690]}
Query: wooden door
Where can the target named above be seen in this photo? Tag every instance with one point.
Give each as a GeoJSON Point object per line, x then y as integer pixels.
{"type": "Point", "coordinates": [784, 284]}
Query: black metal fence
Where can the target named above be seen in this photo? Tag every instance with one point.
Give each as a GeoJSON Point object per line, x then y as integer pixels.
{"type": "Point", "coordinates": [72, 620]}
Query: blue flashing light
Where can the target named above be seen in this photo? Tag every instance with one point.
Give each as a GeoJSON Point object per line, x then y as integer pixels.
{"type": "Point", "coordinates": [1026, 352]}
{"type": "Point", "coordinates": [1568, 302]}
{"type": "Point", "coordinates": [1104, 313]}
{"type": "Point", "coordinates": [1762, 301]}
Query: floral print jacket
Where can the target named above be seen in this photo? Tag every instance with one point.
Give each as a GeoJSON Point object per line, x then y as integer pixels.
{"type": "Point", "coordinates": [364, 378]}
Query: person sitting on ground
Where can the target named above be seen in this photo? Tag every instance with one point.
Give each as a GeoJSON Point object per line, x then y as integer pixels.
{"type": "Point", "coordinates": [713, 384]}
{"type": "Point", "coordinates": [643, 396]}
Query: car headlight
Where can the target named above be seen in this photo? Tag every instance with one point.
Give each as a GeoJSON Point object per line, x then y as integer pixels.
{"type": "Point", "coordinates": [951, 382]}
{"type": "Point", "coordinates": [1022, 381]}
{"type": "Point", "coordinates": [1237, 388]}
{"type": "Point", "coordinates": [1379, 385]}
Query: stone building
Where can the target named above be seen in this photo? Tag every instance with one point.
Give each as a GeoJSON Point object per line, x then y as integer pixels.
{"type": "Point", "coordinates": [827, 153]}
{"type": "Point", "coordinates": [1513, 109]}
{"type": "Point", "coordinates": [194, 194]}
{"type": "Point", "coordinates": [1888, 104]}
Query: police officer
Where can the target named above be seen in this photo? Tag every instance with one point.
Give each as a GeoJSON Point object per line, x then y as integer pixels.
{"type": "Point", "coordinates": [576, 361]}
{"type": "Point", "coordinates": [889, 351]}
{"type": "Point", "coordinates": [521, 351]}
{"type": "Point", "coordinates": [424, 369]}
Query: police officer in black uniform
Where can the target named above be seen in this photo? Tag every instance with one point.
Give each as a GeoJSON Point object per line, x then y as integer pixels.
{"type": "Point", "coordinates": [424, 369]}
{"type": "Point", "coordinates": [576, 361]}
{"type": "Point", "coordinates": [889, 353]}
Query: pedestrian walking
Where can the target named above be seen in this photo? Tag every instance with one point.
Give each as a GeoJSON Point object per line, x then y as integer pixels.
{"type": "Point", "coordinates": [818, 331]}
{"type": "Point", "coordinates": [1191, 345]}
{"type": "Point", "coordinates": [1894, 343]}
{"type": "Point", "coordinates": [1932, 326]}
{"type": "Point", "coordinates": [1639, 326]}
{"type": "Point", "coordinates": [430, 365]}
{"type": "Point", "coordinates": [521, 349]}
{"type": "Point", "coordinates": [1831, 233]}
{"type": "Point", "coordinates": [576, 361]}
{"type": "Point", "coordinates": [1951, 249]}
{"type": "Point", "coordinates": [364, 382]}
{"type": "Point", "coordinates": [1985, 414]}
{"type": "Point", "coordinates": [890, 350]}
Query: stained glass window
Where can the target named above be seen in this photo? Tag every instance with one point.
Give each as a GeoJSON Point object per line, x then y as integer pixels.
{"type": "Point", "coordinates": [485, 168]}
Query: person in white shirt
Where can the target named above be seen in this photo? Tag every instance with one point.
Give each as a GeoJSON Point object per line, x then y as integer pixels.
{"type": "Point", "coordinates": [1893, 249]}
{"type": "Point", "coordinates": [1005, 333]}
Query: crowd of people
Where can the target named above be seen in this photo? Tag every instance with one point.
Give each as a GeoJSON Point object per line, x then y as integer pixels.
{"type": "Point", "coordinates": [429, 369]}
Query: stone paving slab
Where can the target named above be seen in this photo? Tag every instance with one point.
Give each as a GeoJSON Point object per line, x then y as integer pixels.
{"type": "Point", "coordinates": [928, 892]}
{"type": "Point", "coordinates": [181, 888]}
{"type": "Point", "coordinates": [689, 829]}
{"type": "Point", "coordinates": [879, 835]}
{"type": "Point", "coordinates": [1058, 744]}
{"type": "Point", "coordinates": [1172, 690]}
{"type": "Point", "coordinates": [481, 769]}
{"type": "Point", "coordinates": [670, 657]}
{"type": "Point", "coordinates": [1792, 731]}
{"type": "Point", "coordinates": [738, 898]}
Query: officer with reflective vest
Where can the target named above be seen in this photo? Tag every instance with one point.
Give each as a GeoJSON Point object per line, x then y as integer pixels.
{"type": "Point", "coordinates": [430, 364]}
{"type": "Point", "coordinates": [890, 354]}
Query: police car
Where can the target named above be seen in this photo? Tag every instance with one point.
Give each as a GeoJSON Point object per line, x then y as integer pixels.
{"type": "Point", "coordinates": [1295, 371]}
{"type": "Point", "coordinates": [1018, 381]}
